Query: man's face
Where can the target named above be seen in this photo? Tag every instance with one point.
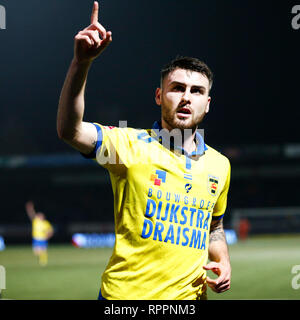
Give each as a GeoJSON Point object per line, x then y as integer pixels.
{"type": "Point", "coordinates": [40, 215]}
{"type": "Point", "coordinates": [183, 99]}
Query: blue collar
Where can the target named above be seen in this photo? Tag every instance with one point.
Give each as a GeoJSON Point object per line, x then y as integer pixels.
{"type": "Point", "coordinates": [201, 147]}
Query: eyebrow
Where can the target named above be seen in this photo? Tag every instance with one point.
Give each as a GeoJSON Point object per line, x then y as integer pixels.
{"type": "Point", "coordinates": [183, 84]}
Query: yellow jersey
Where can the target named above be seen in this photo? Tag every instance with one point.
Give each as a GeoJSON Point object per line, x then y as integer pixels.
{"type": "Point", "coordinates": [164, 201]}
{"type": "Point", "coordinates": [40, 229]}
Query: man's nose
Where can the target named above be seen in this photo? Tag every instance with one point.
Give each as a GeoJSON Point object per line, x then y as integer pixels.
{"type": "Point", "coordinates": [186, 95]}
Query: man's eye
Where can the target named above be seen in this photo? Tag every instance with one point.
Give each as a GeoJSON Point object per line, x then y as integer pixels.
{"type": "Point", "coordinates": [179, 88]}
{"type": "Point", "coordinates": [197, 91]}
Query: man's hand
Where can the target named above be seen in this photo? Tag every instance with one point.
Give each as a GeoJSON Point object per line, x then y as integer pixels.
{"type": "Point", "coordinates": [222, 283]}
{"type": "Point", "coordinates": [91, 41]}
{"type": "Point", "coordinates": [29, 206]}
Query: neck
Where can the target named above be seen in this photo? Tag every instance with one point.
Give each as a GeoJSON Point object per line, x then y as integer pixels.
{"type": "Point", "coordinates": [187, 136]}
{"type": "Point", "coordinates": [189, 144]}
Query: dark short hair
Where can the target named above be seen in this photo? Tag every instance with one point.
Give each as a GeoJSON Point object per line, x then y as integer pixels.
{"type": "Point", "coordinates": [187, 63]}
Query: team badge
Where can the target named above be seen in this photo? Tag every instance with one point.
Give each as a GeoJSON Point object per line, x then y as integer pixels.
{"type": "Point", "coordinates": [159, 177]}
{"type": "Point", "coordinates": [212, 185]}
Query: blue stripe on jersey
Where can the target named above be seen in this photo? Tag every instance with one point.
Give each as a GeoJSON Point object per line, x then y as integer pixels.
{"type": "Point", "coordinates": [218, 217]}
{"type": "Point", "coordinates": [100, 297]}
{"type": "Point", "coordinates": [92, 155]}
{"type": "Point", "coordinates": [188, 163]}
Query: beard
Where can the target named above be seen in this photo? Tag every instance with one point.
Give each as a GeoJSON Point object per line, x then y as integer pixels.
{"type": "Point", "coordinates": [173, 121]}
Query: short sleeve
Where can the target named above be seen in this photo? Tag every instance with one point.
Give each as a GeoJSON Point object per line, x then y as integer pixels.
{"type": "Point", "coordinates": [114, 148]}
{"type": "Point", "coordinates": [92, 155]}
{"type": "Point", "coordinates": [221, 204]}
{"type": "Point", "coordinates": [49, 226]}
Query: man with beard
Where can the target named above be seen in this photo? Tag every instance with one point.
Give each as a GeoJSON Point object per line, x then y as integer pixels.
{"type": "Point", "coordinates": [170, 188]}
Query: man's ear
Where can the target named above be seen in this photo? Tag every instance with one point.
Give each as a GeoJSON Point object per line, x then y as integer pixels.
{"type": "Point", "coordinates": [207, 106]}
{"type": "Point", "coordinates": [158, 96]}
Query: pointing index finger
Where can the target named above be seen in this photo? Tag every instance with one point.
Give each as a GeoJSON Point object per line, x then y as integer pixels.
{"type": "Point", "coordinates": [95, 13]}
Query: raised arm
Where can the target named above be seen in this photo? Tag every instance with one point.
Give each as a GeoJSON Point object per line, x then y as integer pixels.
{"type": "Point", "coordinates": [29, 206]}
{"type": "Point", "coordinates": [88, 45]}
{"type": "Point", "coordinates": [219, 256]}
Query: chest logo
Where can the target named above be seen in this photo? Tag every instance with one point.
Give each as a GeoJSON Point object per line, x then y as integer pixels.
{"type": "Point", "coordinates": [212, 184]}
{"type": "Point", "coordinates": [188, 187]}
{"type": "Point", "coordinates": [159, 177]}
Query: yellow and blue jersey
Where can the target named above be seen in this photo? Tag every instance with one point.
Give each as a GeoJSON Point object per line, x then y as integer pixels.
{"type": "Point", "coordinates": [164, 201]}
{"type": "Point", "coordinates": [40, 229]}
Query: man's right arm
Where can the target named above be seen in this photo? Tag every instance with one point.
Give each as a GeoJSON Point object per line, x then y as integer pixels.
{"type": "Point", "coordinates": [70, 125]}
{"type": "Point", "coordinates": [29, 206]}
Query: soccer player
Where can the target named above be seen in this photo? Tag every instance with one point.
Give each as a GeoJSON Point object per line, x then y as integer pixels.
{"type": "Point", "coordinates": [170, 188]}
{"type": "Point", "coordinates": [42, 231]}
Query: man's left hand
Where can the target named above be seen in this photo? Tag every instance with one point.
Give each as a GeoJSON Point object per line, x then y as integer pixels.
{"type": "Point", "coordinates": [222, 283]}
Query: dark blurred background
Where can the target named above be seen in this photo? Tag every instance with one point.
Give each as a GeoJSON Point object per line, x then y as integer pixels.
{"type": "Point", "coordinates": [254, 120]}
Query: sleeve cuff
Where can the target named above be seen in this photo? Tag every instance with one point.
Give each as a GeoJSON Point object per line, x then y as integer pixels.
{"type": "Point", "coordinates": [92, 155]}
{"type": "Point", "coordinates": [218, 217]}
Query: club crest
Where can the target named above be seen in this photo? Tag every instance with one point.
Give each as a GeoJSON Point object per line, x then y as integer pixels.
{"type": "Point", "coordinates": [212, 184]}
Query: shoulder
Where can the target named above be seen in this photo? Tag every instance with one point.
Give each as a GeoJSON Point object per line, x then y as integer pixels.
{"type": "Point", "coordinates": [217, 157]}
{"type": "Point", "coordinates": [132, 133]}
{"type": "Point", "coordinates": [47, 223]}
